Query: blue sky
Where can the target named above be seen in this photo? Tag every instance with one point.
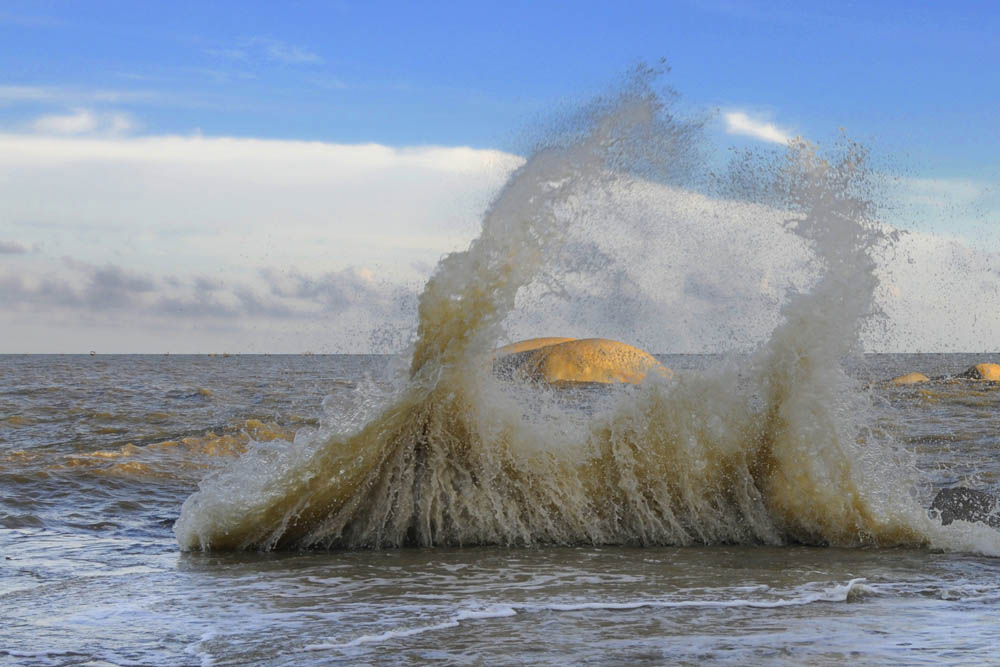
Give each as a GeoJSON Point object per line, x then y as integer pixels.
{"type": "Point", "coordinates": [157, 190]}
{"type": "Point", "coordinates": [920, 78]}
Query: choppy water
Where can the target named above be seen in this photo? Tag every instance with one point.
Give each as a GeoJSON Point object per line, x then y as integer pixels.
{"type": "Point", "coordinates": [91, 570]}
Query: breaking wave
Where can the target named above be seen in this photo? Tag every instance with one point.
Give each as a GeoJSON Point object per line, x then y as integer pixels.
{"type": "Point", "coordinates": [769, 447]}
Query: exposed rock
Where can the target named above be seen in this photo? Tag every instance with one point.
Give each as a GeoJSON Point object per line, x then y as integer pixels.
{"type": "Point", "coordinates": [528, 345]}
{"type": "Point", "coordinates": [910, 378]}
{"type": "Point", "coordinates": [961, 504]}
{"type": "Point", "coordinates": [987, 371]}
{"type": "Point", "coordinates": [578, 360]}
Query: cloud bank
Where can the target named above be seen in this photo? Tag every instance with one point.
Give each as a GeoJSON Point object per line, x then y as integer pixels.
{"type": "Point", "coordinates": [12, 248]}
{"type": "Point", "coordinates": [194, 244]}
{"type": "Point", "coordinates": [677, 271]}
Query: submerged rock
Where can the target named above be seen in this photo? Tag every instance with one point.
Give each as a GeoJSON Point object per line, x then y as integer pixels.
{"type": "Point", "coordinates": [576, 360]}
{"type": "Point", "coordinates": [990, 372]}
{"type": "Point", "coordinates": [910, 378]}
{"type": "Point", "coordinates": [962, 504]}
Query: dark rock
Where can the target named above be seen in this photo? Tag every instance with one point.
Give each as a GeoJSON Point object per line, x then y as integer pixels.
{"type": "Point", "coordinates": [963, 504]}
{"type": "Point", "coordinates": [990, 372]}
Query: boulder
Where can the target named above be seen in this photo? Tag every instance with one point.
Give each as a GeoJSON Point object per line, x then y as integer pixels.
{"type": "Point", "coordinates": [579, 360]}
{"type": "Point", "coordinates": [507, 360]}
{"type": "Point", "coordinates": [527, 345]}
{"type": "Point", "coordinates": [910, 378]}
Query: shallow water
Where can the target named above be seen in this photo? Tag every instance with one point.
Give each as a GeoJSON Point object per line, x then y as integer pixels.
{"type": "Point", "coordinates": [91, 570]}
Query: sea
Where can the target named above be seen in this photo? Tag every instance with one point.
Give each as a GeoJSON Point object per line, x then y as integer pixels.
{"type": "Point", "coordinates": [762, 500]}
{"type": "Point", "coordinates": [98, 454]}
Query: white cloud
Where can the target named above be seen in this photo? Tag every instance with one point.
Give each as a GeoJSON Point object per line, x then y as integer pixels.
{"type": "Point", "coordinates": [738, 122]}
{"type": "Point", "coordinates": [80, 121]}
{"type": "Point", "coordinates": [121, 123]}
{"type": "Point", "coordinates": [676, 271]}
{"type": "Point", "coordinates": [84, 121]}
{"type": "Point", "coordinates": [12, 248]}
{"type": "Point", "coordinates": [939, 294]}
{"type": "Point", "coordinates": [202, 244]}
{"type": "Point", "coordinates": [175, 208]}
{"type": "Point", "coordinates": [670, 270]}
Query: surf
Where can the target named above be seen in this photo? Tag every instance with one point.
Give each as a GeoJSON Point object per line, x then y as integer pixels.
{"type": "Point", "coordinates": [768, 448]}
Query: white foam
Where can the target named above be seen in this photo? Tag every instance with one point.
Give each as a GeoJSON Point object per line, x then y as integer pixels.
{"type": "Point", "coordinates": [499, 611]}
{"type": "Point", "coordinates": [836, 593]}
{"type": "Point", "coordinates": [195, 649]}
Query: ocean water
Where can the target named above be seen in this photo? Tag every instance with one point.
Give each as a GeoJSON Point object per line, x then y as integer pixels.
{"type": "Point", "coordinates": [766, 502]}
{"type": "Point", "coordinates": [97, 455]}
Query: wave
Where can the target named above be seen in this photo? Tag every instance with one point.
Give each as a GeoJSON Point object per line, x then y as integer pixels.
{"type": "Point", "coordinates": [835, 593]}
{"type": "Point", "coordinates": [771, 450]}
